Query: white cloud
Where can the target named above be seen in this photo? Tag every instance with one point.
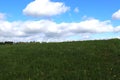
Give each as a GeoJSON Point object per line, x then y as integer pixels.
{"type": "Point", "coordinates": [46, 30]}
{"type": "Point", "coordinates": [2, 16]}
{"type": "Point", "coordinates": [39, 8]}
{"type": "Point", "coordinates": [76, 10]}
{"type": "Point", "coordinates": [117, 29]}
{"type": "Point", "coordinates": [116, 15]}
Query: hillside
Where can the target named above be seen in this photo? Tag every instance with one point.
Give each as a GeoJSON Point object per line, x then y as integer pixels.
{"type": "Point", "coordinates": [80, 60]}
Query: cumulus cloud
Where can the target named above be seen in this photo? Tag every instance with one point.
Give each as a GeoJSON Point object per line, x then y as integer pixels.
{"type": "Point", "coordinates": [117, 29]}
{"type": "Point", "coordinates": [2, 16]}
{"type": "Point", "coordinates": [39, 8]}
{"type": "Point", "coordinates": [76, 10]}
{"type": "Point", "coordinates": [46, 30]}
{"type": "Point", "coordinates": [116, 15]}
{"type": "Point", "coordinates": [52, 29]}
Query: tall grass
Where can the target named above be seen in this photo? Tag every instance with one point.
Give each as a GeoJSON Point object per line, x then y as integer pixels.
{"type": "Point", "coordinates": [80, 60]}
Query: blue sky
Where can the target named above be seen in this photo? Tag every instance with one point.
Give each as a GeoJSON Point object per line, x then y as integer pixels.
{"type": "Point", "coordinates": [59, 20]}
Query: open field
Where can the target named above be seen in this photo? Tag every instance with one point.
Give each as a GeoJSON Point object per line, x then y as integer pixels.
{"type": "Point", "coordinates": [80, 60]}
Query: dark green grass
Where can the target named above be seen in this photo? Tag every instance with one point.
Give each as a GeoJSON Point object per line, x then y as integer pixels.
{"type": "Point", "coordinates": [81, 60]}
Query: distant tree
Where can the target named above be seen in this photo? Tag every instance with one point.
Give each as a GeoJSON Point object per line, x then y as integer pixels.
{"type": "Point", "coordinates": [2, 43]}
{"type": "Point", "coordinates": [8, 42]}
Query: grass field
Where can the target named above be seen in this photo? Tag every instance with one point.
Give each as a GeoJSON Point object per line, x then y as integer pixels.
{"type": "Point", "coordinates": [80, 60]}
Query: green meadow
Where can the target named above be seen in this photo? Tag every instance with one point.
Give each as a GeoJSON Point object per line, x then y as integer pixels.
{"type": "Point", "coordinates": [77, 60]}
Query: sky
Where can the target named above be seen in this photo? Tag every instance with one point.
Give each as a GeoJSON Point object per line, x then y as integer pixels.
{"type": "Point", "coordinates": [59, 20]}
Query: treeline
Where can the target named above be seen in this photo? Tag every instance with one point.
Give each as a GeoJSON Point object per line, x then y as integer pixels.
{"type": "Point", "coordinates": [6, 42]}
{"type": "Point", "coordinates": [11, 42]}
